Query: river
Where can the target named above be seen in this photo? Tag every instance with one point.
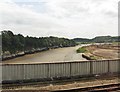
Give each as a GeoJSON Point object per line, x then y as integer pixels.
{"type": "Point", "coordinates": [53, 55]}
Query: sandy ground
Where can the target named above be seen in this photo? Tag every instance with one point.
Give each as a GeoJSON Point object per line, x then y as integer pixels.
{"type": "Point", "coordinates": [106, 53]}
{"type": "Point", "coordinates": [53, 55]}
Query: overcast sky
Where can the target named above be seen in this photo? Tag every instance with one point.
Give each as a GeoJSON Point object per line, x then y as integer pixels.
{"type": "Point", "coordinates": [62, 18]}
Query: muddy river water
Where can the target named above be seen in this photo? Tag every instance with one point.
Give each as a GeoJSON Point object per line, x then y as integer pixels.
{"type": "Point", "coordinates": [53, 55]}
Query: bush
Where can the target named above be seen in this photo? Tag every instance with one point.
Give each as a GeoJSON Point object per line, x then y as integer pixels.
{"type": "Point", "coordinates": [81, 50]}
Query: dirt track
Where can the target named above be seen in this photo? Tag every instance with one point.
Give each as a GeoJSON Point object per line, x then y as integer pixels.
{"type": "Point", "coordinates": [53, 55]}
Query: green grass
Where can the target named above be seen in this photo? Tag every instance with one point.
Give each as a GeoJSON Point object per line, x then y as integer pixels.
{"type": "Point", "coordinates": [81, 50]}
{"type": "Point", "coordinates": [93, 57]}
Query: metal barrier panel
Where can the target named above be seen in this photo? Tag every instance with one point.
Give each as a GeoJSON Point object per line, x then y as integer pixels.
{"type": "Point", "coordinates": [12, 72]}
{"type": "Point", "coordinates": [35, 71]}
{"type": "Point", "coordinates": [100, 67]}
{"type": "Point", "coordinates": [114, 66]}
{"type": "Point", "coordinates": [80, 68]}
{"type": "Point", "coordinates": [59, 70]}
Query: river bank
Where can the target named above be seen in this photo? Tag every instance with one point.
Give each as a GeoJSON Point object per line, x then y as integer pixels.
{"type": "Point", "coordinates": [51, 55]}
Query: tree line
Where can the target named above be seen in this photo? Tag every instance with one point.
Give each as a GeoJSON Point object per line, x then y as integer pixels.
{"type": "Point", "coordinates": [98, 39]}
{"type": "Point", "coordinates": [13, 44]}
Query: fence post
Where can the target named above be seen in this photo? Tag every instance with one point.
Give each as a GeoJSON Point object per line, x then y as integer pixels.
{"type": "Point", "coordinates": [91, 67]}
{"type": "Point", "coordinates": [108, 66]}
{"type": "Point", "coordinates": [48, 74]}
{"type": "Point", "coordinates": [70, 69]}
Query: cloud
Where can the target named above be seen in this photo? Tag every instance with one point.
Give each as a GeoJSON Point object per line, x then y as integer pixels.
{"type": "Point", "coordinates": [20, 19]}
{"type": "Point", "coordinates": [112, 14]}
{"type": "Point", "coordinates": [64, 18]}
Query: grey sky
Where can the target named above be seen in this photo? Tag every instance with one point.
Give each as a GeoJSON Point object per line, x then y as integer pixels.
{"type": "Point", "coordinates": [62, 18]}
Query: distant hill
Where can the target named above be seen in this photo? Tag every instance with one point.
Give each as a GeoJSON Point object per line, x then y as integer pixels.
{"type": "Point", "coordinates": [82, 40]}
{"type": "Point", "coordinates": [98, 39]}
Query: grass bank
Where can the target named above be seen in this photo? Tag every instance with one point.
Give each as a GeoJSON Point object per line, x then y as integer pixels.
{"type": "Point", "coordinates": [86, 53]}
{"type": "Point", "coordinates": [81, 50]}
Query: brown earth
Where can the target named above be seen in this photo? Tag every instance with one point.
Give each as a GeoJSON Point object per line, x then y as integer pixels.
{"type": "Point", "coordinates": [106, 51]}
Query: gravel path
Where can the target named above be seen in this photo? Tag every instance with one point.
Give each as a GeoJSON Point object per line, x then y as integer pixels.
{"type": "Point", "coordinates": [69, 85]}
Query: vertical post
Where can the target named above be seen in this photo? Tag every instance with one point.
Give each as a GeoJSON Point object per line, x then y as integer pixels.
{"type": "Point", "coordinates": [48, 74]}
{"type": "Point", "coordinates": [70, 70]}
{"type": "Point", "coordinates": [118, 67]}
{"type": "Point", "coordinates": [23, 71]}
{"type": "Point", "coordinates": [108, 66]}
{"type": "Point", "coordinates": [91, 67]}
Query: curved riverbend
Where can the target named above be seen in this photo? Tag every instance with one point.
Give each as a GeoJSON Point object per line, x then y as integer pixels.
{"type": "Point", "coordinates": [53, 55]}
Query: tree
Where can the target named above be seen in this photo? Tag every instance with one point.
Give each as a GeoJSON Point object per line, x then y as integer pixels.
{"type": "Point", "coordinates": [17, 43]}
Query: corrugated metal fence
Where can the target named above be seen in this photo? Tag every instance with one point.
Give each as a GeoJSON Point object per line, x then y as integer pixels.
{"type": "Point", "coordinates": [58, 69]}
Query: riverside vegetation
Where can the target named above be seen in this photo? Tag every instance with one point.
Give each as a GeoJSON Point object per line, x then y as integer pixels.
{"type": "Point", "coordinates": [14, 45]}
{"type": "Point", "coordinates": [81, 50]}
{"type": "Point", "coordinates": [86, 53]}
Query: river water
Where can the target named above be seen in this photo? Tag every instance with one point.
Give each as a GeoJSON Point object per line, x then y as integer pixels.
{"type": "Point", "coordinates": [53, 55]}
